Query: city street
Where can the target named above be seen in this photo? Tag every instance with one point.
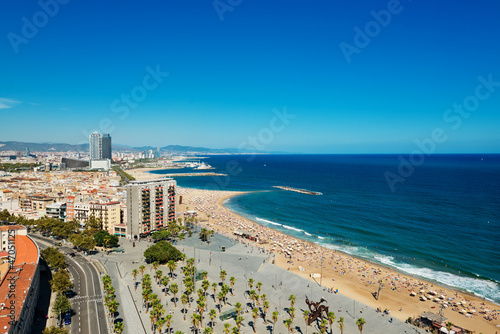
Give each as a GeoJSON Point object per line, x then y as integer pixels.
{"type": "Point", "coordinates": [87, 303]}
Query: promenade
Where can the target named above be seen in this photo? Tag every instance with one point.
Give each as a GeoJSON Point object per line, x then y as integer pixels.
{"type": "Point", "coordinates": [242, 262]}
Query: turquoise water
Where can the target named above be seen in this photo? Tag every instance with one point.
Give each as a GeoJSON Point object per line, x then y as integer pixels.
{"type": "Point", "coordinates": [441, 223]}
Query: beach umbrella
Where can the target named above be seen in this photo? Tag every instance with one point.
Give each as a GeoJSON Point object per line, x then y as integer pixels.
{"type": "Point", "coordinates": [442, 297]}
{"type": "Point", "coordinates": [413, 293]}
{"type": "Point", "coordinates": [464, 302]}
{"type": "Point", "coordinates": [472, 311]}
{"type": "Point", "coordinates": [422, 291]}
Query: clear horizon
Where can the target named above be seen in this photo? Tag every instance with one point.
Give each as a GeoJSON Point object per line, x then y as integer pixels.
{"type": "Point", "coordinates": [385, 77]}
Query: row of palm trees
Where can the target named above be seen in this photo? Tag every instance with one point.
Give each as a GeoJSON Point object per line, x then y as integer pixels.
{"type": "Point", "coordinates": [111, 303]}
{"type": "Point", "coordinates": [259, 303]}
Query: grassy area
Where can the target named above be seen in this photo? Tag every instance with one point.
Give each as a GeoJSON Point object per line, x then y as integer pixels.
{"type": "Point", "coordinates": [125, 176]}
{"type": "Point", "coordinates": [17, 167]}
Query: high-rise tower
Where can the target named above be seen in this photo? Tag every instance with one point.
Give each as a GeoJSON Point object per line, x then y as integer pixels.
{"type": "Point", "coordinates": [106, 146]}
{"type": "Point", "coordinates": [95, 149]}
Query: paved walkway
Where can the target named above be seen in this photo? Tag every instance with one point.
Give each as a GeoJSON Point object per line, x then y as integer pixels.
{"type": "Point", "coordinates": [242, 262]}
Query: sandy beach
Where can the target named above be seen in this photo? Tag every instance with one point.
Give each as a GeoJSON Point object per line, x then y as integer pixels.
{"type": "Point", "coordinates": [353, 277]}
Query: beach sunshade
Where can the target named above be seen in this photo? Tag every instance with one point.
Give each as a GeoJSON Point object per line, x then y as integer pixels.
{"type": "Point", "coordinates": [442, 297]}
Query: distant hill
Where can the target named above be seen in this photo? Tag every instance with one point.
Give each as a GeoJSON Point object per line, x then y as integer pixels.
{"type": "Point", "coordinates": [173, 149]}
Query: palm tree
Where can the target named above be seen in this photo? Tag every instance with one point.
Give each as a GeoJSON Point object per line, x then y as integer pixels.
{"type": "Point", "coordinates": [113, 308]}
{"type": "Point", "coordinates": [174, 288]}
{"type": "Point", "coordinates": [305, 315]}
{"type": "Point", "coordinates": [255, 315]}
{"type": "Point", "coordinates": [331, 319]}
{"type": "Point", "coordinates": [135, 272]}
{"type": "Point", "coordinates": [265, 307]}
{"type": "Point", "coordinates": [275, 318]}
{"type": "Point", "coordinates": [252, 297]}
{"type": "Point", "coordinates": [292, 300]}
{"type": "Point", "coordinates": [323, 326]}
{"type": "Point", "coordinates": [233, 281]}
{"type": "Point", "coordinates": [205, 285]}
{"type": "Point", "coordinates": [259, 286]}
{"type": "Point", "coordinates": [360, 322]}
{"type": "Point", "coordinates": [142, 269]}
{"type": "Point", "coordinates": [214, 287]}
{"type": "Point", "coordinates": [119, 327]}
{"type": "Point", "coordinates": [223, 275]}
{"type": "Point", "coordinates": [250, 283]}
{"type": "Point", "coordinates": [288, 324]}
{"type": "Point", "coordinates": [184, 300]}
{"type": "Point", "coordinates": [239, 320]}
{"type": "Point", "coordinates": [155, 265]}
{"type": "Point", "coordinates": [172, 265]}
{"type": "Point", "coordinates": [341, 325]}
{"type": "Point", "coordinates": [201, 308]}
{"type": "Point", "coordinates": [291, 311]}
{"type": "Point", "coordinates": [220, 296]}
{"type": "Point", "coordinates": [169, 321]}
{"type": "Point", "coordinates": [195, 319]}
{"type": "Point", "coordinates": [227, 328]}
{"type": "Point", "coordinates": [160, 322]}
{"type": "Point", "coordinates": [164, 281]}
{"type": "Point", "coordinates": [158, 275]}
{"type": "Point", "coordinates": [208, 330]}
{"type": "Point", "coordinates": [237, 307]}
{"type": "Point", "coordinates": [212, 314]}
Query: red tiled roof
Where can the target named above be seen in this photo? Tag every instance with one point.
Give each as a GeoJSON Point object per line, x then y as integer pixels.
{"type": "Point", "coordinates": [27, 259]}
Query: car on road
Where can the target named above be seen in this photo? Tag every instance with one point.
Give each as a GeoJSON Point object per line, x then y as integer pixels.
{"type": "Point", "coordinates": [67, 318]}
{"type": "Point", "coordinates": [72, 254]}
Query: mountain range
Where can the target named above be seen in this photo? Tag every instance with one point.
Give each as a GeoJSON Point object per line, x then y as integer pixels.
{"type": "Point", "coordinates": [172, 149]}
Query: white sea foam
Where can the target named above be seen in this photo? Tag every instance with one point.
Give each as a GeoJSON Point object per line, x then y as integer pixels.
{"type": "Point", "coordinates": [308, 234]}
{"type": "Point", "coordinates": [292, 228]}
{"type": "Point", "coordinates": [267, 221]}
{"type": "Point", "coordinates": [322, 238]}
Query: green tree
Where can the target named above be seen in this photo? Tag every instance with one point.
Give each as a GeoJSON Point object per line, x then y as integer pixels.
{"type": "Point", "coordinates": [288, 324]}
{"type": "Point", "coordinates": [292, 300]}
{"type": "Point", "coordinates": [61, 281]}
{"type": "Point", "coordinates": [305, 315]}
{"type": "Point", "coordinates": [232, 280]}
{"type": "Point", "coordinates": [275, 318]}
{"type": "Point", "coordinates": [172, 265]}
{"type": "Point", "coordinates": [174, 288]}
{"type": "Point", "coordinates": [162, 252]}
{"type": "Point", "coordinates": [54, 258]}
{"type": "Point", "coordinates": [360, 322]}
{"type": "Point", "coordinates": [341, 325]}
{"type": "Point", "coordinates": [331, 319]}
{"type": "Point", "coordinates": [255, 314]}
{"type": "Point", "coordinates": [61, 305]}
{"type": "Point", "coordinates": [119, 327]}
{"type": "Point", "coordinates": [55, 330]}
{"type": "Point", "coordinates": [212, 314]}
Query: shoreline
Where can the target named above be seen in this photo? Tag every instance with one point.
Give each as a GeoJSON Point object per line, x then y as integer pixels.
{"type": "Point", "coordinates": [354, 277]}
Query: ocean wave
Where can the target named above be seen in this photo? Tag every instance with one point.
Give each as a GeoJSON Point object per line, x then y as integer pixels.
{"type": "Point", "coordinates": [478, 286]}
{"type": "Point", "coordinates": [267, 221]}
{"type": "Point", "coordinates": [322, 238]}
{"type": "Point", "coordinates": [308, 234]}
{"type": "Point", "coordinates": [292, 228]}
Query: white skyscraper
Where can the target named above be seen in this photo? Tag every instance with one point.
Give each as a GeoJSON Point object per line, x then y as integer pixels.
{"type": "Point", "coordinates": [95, 142]}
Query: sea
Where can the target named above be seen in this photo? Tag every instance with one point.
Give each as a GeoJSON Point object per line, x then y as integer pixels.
{"type": "Point", "coordinates": [436, 217]}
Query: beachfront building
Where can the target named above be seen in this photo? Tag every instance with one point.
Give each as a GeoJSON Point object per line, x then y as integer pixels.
{"type": "Point", "coordinates": [19, 280]}
{"type": "Point", "coordinates": [150, 206]}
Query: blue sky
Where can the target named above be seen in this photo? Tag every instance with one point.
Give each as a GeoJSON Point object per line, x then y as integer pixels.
{"type": "Point", "coordinates": [226, 76]}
